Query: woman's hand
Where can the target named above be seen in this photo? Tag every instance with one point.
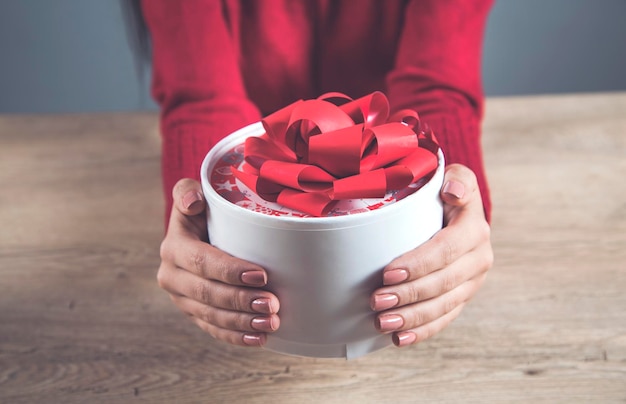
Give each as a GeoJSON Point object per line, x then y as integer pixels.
{"type": "Point", "coordinates": [218, 292]}
{"type": "Point", "coordinates": [426, 288]}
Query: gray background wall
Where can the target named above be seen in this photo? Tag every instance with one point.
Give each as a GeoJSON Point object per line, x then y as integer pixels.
{"type": "Point", "coordinates": [73, 55]}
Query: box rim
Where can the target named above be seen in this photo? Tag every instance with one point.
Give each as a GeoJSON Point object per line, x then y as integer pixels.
{"type": "Point", "coordinates": [303, 223]}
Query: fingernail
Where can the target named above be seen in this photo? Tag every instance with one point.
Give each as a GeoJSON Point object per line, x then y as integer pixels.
{"type": "Point", "coordinates": [254, 339]}
{"type": "Point", "coordinates": [395, 276]}
{"type": "Point", "coordinates": [404, 338]}
{"type": "Point", "coordinates": [384, 301]}
{"type": "Point", "coordinates": [190, 198]}
{"type": "Point", "coordinates": [454, 188]}
{"type": "Point", "coordinates": [254, 278]}
{"type": "Point", "coordinates": [267, 324]}
{"type": "Point", "coordinates": [390, 322]}
{"type": "Point", "coordinates": [262, 305]}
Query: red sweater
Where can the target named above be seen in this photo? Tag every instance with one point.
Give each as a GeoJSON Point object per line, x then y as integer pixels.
{"type": "Point", "coordinates": [220, 65]}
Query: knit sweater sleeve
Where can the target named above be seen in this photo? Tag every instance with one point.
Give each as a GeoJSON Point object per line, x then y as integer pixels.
{"type": "Point", "coordinates": [437, 73]}
{"type": "Point", "coordinates": [196, 82]}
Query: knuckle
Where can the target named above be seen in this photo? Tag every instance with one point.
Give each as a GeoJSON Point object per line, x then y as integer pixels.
{"type": "Point", "coordinates": [447, 251]}
{"type": "Point", "coordinates": [419, 317]}
{"type": "Point", "coordinates": [489, 259]}
{"type": "Point", "coordinates": [241, 323]}
{"type": "Point", "coordinates": [450, 304]}
{"type": "Point", "coordinates": [425, 333]}
{"type": "Point", "coordinates": [202, 291]}
{"type": "Point", "coordinates": [448, 282]}
{"type": "Point", "coordinates": [165, 252]}
{"type": "Point", "coordinates": [239, 300]}
{"type": "Point", "coordinates": [230, 321]}
{"type": "Point", "coordinates": [198, 261]}
{"type": "Point", "coordinates": [413, 294]}
{"type": "Point", "coordinates": [485, 259]}
{"type": "Point", "coordinates": [224, 269]}
{"type": "Point", "coordinates": [482, 279]}
{"type": "Point", "coordinates": [422, 265]}
{"type": "Point", "coordinates": [207, 314]}
{"type": "Point", "coordinates": [484, 231]}
{"type": "Point", "coordinates": [215, 267]}
{"type": "Point", "coordinates": [161, 277]}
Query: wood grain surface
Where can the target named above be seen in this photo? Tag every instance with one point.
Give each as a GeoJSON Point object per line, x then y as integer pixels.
{"type": "Point", "coordinates": [82, 319]}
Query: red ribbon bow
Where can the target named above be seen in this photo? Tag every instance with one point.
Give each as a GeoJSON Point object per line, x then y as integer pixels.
{"type": "Point", "coordinates": [316, 152]}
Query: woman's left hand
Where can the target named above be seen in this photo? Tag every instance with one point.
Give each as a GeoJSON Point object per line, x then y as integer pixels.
{"type": "Point", "coordinates": [426, 288]}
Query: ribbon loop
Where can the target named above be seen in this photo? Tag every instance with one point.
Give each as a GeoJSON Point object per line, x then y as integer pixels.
{"type": "Point", "coordinates": [316, 152]}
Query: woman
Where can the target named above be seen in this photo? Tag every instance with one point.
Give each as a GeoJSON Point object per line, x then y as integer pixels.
{"type": "Point", "coordinates": [220, 65]}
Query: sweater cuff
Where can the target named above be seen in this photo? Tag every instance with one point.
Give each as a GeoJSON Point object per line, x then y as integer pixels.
{"type": "Point", "coordinates": [458, 134]}
{"type": "Point", "coordinates": [183, 148]}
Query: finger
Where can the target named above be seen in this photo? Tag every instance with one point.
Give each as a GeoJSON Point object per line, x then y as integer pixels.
{"type": "Point", "coordinates": [187, 217]}
{"type": "Point", "coordinates": [227, 319]}
{"type": "Point", "coordinates": [251, 339]}
{"type": "Point", "coordinates": [185, 245]}
{"type": "Point", "coordinates": [206, 261]}
{"type": "Point", "coordinates": [418, 314]}
{"type": "Point", "coordinates": [213, 293]}
{"type": "Point", "coordinates": [444, 248]}
{"type": "Point", "coordinates": [436, 283]}
{"type": "Point", "coordinates": [459, 185]}
{"type": "Point", "coordinates": [421, 333]}
{"type": "Point", "coordinates": [465, 228]}
{"type": "Point", "coordinates": [188, 197]}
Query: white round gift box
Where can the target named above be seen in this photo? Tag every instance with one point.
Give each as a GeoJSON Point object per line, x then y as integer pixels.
{"type": "Point", "coordinates": [323, 269]}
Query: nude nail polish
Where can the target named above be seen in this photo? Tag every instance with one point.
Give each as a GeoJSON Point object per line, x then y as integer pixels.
{"type": "Point", "coordinates": [390, 322]}
{"type": "Point", "coordinates": [265, 324]}
{"type": "Point", "coordinates": [404, 338]}
{"type": "Point", "coordinates": [253, 278]}
{"type": "Point", "coordinates": [454, 188]}
{"type": "Point", "coordinates": [262, 305]}
{"type": "Point", "coordinates": [190, 198]}
{"type": "Point", "coordinates": [395, 276]}
{"type": "Point", "coordinates": [384, 301]}
{"type": "Point", "coordinates": [255, 339]}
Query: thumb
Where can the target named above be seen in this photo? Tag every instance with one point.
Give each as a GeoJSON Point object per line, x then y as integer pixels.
{"type": "Point", "coordinates": [459, 185]}
{"type": "Point", "coordinates": [187, 197]}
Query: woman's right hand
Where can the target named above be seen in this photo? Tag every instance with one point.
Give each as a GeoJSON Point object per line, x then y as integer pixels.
{"type": "Point", "coordinates": [220, 293]}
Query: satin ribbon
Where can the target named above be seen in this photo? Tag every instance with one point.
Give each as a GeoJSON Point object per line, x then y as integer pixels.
{"type": "Point", "coordinates": [316, 152]}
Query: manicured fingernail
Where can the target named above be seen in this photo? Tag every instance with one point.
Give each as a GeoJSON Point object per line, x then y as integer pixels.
{"type": "Point", "coordinates": [455, 189]}
{"type": "Point", "coordinates": [395, 276]}
{"type": "Point", "coordinates": [190, 198]}
{"type": "Point", "coordinates": [262, 305]}
{"type": "Point", "coordinates": [254, 278]}
{"type": "Point", "coordinates": [384, 301]}
{"type": "Point", "coordinates": [254, 339]}
{"type": "Point", "coordinates": [267, 324]}
{"type": "Point", "coordinates": [404, 338]}
{"type": "Point", "coordinates": [390, 322]}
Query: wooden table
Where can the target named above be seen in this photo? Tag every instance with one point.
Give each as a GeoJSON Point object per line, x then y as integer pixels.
{"type": "Point", "coordinates": [82, 319]}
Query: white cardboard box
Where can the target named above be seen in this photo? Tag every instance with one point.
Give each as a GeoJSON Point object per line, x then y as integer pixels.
{"type": "Point", "coordinates": [323, 269]}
